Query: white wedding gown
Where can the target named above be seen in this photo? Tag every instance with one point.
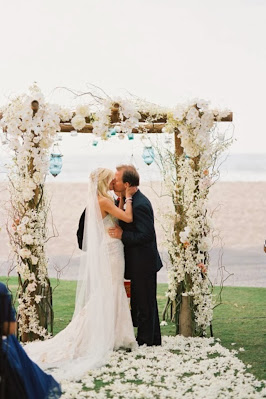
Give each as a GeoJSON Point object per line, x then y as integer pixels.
{"type": "Point", "coordinates": [124, 332]}
{"type": "Point", "coordinates": [103, 322]}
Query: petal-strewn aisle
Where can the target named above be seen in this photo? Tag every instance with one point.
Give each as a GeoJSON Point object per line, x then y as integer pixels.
{"type": "Point", "coordinates": [182, 368]}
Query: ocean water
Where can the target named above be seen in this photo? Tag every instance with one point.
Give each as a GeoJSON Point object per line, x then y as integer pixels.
{"type": "Point", "coordinates": [80, 157]}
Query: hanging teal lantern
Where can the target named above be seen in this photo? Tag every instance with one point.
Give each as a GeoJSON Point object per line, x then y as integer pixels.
{"type": "Point", "coordinates": [56, 161]}
{"type": "Point", "coordinates": [130, 136]}
{"type": "Point", "coordinates": [95, 143]}
{"type": "Point", "coordinates": [113, 132]}
{"type": "Point", "coordinates": [148, 155]}
{"type": "Point", "coordinates": [55, 164]}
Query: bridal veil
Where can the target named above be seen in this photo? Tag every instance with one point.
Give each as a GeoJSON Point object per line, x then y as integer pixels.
{"type": "Point", "coordinates": [89, 338]}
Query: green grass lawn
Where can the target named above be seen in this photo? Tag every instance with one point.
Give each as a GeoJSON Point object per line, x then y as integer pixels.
{"type": "Point", "coordinates": [241, 318]}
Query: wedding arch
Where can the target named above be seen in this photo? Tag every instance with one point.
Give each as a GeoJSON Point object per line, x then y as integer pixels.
{"type": "Point", "coordinates": [189, 168]}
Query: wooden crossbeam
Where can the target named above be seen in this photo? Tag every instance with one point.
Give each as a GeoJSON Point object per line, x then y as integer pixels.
{"type": "Point", "coordinates": [144, 126]}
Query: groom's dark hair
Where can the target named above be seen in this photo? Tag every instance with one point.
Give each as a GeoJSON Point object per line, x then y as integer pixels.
{"type": "Point", "coordinates": [130, 174]}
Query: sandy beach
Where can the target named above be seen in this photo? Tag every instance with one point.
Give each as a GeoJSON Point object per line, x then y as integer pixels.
{"type": "Point", "coordinates": [238, 218]}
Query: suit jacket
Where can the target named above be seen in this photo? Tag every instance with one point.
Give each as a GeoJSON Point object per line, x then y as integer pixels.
{"type": "Point", "coordinates": [81, 229]}
{"type": "Point", "coordinates": [139, 239]}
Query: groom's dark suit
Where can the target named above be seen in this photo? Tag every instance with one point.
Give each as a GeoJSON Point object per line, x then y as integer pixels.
{"type": "Point", "coordinates": [142, 261]}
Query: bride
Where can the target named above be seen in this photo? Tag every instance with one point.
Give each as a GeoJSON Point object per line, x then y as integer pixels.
{"type": "Point", "coordinates": [101, 322]}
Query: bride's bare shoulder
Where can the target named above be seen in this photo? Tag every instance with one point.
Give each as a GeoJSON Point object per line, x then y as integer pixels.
{"type": "Point", "coordinates": [104, 201]}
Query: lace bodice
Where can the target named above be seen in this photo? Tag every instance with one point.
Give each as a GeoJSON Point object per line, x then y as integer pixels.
{"type": "Point", "coordinates": [109, 221]}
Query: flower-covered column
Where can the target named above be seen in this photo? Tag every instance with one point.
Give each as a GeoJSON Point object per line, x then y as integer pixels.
{"type": "Point", "coordinates": [192, 171]}
{"type": "Point", "coordinates": [30, 126]}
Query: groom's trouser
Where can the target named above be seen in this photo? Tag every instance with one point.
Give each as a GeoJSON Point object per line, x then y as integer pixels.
{"type": "Point", "coordinates": [144, 309]}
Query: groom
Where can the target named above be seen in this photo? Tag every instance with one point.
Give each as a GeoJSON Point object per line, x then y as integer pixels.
{"type": "Point", "coordinates": [142, 260]}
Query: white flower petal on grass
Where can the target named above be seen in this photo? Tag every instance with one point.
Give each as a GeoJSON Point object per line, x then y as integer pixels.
{"type": "Point", "coordinates": [180, 368]}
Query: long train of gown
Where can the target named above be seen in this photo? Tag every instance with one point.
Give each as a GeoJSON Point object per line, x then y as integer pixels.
{"type": "Point", "coordinates": [84, 344]}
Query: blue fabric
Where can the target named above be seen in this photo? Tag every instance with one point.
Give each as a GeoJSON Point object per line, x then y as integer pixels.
{"type": "Point", "coordinates": [7, 311]}
{"type": "Point", "coordinates": [37, 384]}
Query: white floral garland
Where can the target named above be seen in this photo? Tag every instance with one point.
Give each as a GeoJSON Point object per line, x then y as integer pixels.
{"type": "Point", "coordinates": [128, 115]}
{"type": "Point", "coordinates": [29, 138]}
{"type": "Point", "coordinates": [195, 174]}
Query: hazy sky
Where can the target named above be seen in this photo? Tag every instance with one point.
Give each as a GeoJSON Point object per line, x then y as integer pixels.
{"type": "Point", "coordinates": [166, 51]}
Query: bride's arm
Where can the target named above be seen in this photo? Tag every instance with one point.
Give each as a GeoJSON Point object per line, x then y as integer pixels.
{"type": "Point", "coordinates": [109, 207]}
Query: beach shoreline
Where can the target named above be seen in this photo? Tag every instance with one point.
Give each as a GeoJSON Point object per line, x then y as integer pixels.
{"type": "Point", "coordinates": [238, 220]}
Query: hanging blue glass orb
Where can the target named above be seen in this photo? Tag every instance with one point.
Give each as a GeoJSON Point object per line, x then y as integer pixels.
{"type": "Point", "coordinates": [113, 132]}
{"type": "Point", "coordinates": [95, 143]}
{"type": "Point", "coordinates": [55, 164]}
{"type": "Point", "coordinates": [148, 155]}
{"type": "Point", "coordinates": [130, 136]}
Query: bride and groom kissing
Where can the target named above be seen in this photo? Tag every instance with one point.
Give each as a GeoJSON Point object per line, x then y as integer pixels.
{"type": "Point", "coordinates": [119, 241]}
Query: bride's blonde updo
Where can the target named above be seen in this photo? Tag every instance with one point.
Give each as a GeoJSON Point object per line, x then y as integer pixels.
{"type": "Point", "coordinates": [103, 177]}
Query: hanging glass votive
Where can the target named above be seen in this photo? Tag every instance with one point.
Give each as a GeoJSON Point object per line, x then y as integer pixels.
{"type": "Point", "coordinates": [148, 155]}
{"type": "Point", "coordinates": [73, 133]}
{"type": "Point", "coordinates": [95, 142]}
{"type": "Point", "coordinates": [113, 132]}
{"type": "Point", "coordinates": [130, 136]}
{"type": "Point", "coordinates": [56, 161]}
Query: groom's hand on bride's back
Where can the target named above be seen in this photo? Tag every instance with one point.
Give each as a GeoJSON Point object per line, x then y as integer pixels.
{"type": "Point", "coordinates": [115, 232]}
